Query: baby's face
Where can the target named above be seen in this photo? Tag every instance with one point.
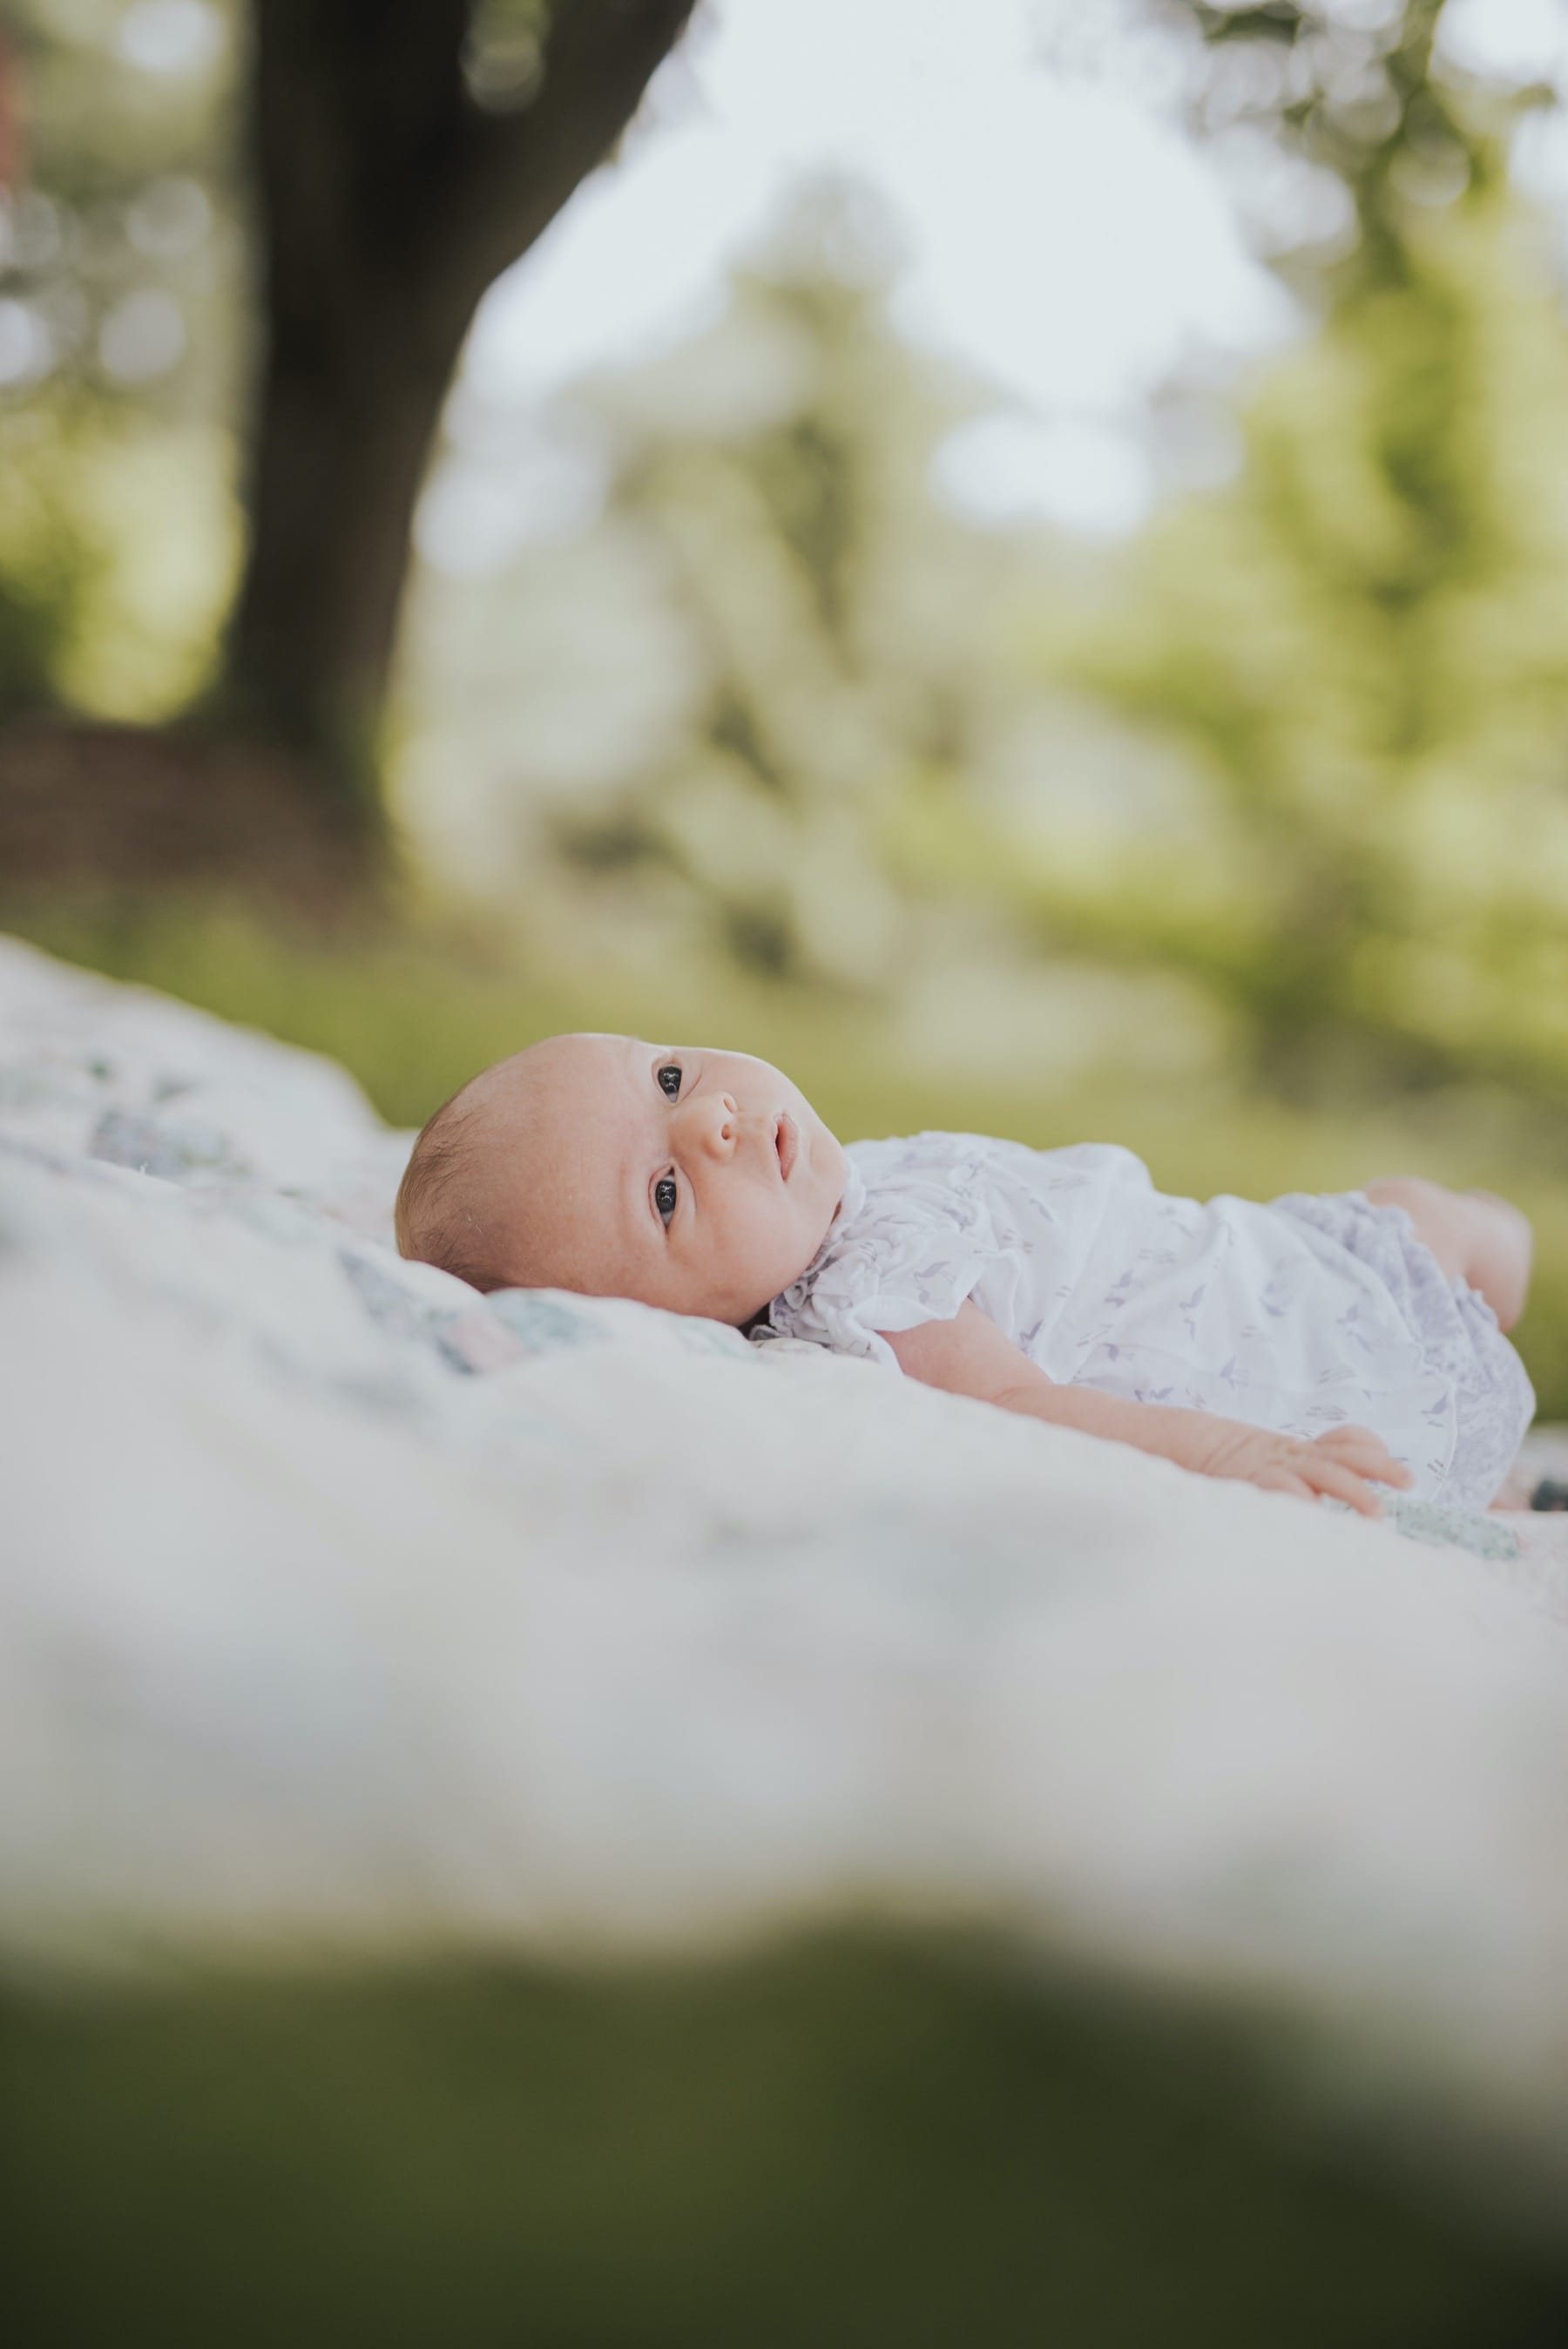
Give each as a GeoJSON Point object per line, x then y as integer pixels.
{"type": "Point", "coordinates": [699, 1181]}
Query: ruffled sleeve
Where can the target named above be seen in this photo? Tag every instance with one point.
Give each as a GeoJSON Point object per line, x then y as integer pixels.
{"type": "Point", "coordinates": [914, 1238]}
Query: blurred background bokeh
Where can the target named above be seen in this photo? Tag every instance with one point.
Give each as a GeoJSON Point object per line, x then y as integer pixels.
{"type": "Point", "coordinates": [1011, 557]}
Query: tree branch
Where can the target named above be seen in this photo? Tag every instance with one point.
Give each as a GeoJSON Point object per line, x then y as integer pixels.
{"type": "Point", "coordinates": [514, 172]}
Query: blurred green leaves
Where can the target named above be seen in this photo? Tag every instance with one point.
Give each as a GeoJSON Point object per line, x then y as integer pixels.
{"type": "Point", "coordinates": [803, 634]}
{"type": "Point", "coordinates": [1359, 646]}
{"type": "Point", "coordinates": [1299, 749]}
{"type": "Point", "coordinates": [122, 343]}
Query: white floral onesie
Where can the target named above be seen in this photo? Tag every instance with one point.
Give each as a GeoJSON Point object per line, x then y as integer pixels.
{"type": "Point", "coordinates": [1293, 1316]}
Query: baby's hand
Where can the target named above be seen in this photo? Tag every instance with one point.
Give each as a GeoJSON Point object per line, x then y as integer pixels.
{"type": "Point", "coordinates": [1337, 1463]}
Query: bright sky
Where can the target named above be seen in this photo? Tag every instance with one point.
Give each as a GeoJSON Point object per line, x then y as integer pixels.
{"type": "Point", "coordinates": [1061, 234]}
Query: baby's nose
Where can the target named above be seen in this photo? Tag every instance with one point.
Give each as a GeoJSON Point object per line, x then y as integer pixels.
{"type": "Point", "coordinates": [717, 1123]}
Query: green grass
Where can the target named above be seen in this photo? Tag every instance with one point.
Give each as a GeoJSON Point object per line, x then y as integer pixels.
{"type": "Point", "coordinates": [848, 2141]}
{"type": "Point", "coordinates": [414, 1012]}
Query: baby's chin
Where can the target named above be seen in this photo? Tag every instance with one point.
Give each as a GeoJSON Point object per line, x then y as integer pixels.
{"type": "Point", "coordinates": [734, 1310]}
{"type": "Point", "coordinates": [798, 1264]}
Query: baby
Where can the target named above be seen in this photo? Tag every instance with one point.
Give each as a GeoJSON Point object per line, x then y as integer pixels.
{"type": "Point", "coordinates": [1306, 1346]}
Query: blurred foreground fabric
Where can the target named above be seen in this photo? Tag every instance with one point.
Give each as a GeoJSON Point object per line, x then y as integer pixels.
{"type": "Point", "coordinates": [529, 1818]}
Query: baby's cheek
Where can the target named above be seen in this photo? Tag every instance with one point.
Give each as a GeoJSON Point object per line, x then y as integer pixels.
{"type": "Point", "coordinates": [762, 1252]}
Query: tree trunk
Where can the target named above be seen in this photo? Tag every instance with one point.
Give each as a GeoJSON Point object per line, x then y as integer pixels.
{"type": "Point", "coordinates": [389, 201]}
{"type": "Point", "coordinates": [342, 438]}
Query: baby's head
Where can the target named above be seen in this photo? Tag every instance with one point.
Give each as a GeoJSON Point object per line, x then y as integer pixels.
{"type": "Point", "coordinates": [699, 1181]}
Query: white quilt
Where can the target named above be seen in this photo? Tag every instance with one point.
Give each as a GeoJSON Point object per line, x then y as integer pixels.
{"type": "Point", "coordinates": [341, 1606]}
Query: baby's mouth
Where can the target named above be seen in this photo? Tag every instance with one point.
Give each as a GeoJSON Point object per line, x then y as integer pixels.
{"type": "Point", "coordinates": [787, 1143]}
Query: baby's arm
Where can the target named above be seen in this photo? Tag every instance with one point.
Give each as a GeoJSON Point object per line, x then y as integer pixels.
{"type": "Point", "coordinates": [969, 1355]}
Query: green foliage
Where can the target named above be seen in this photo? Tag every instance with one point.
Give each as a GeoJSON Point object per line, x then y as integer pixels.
{"type": "Point", "coordinates": [801, 634]}
{"type": "Point", "coordinates": [1342, 683]}
{"type": "Point", "coordinates": [1286, 753]}
{"type": "Point", "coordinates": [503, 56]}
{"type": "Point", "coordinates": [1355, 656]}
{"type": "Point", "coordinates": [121, 284]}
{"type": "Point", "coordinates": [118, 537]}
{"type": "Point", "coordinates": [45, 572]}
{"type": "Point", "coordinates": [1352, 95]}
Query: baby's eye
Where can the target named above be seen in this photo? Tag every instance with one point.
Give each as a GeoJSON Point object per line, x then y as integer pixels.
{"type": "Point", "coordinates": [664, 1196]}
{"type": "Point", "coordinates": [669, 1078]}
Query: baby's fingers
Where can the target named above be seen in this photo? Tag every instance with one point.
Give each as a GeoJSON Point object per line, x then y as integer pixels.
{"type": "Point", "coordinates": [1280, 1480]}
{"type": "Point", "coordinates": [1359, 1449]}
{"type": "Point", "coordinates": [1343, 1483]}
